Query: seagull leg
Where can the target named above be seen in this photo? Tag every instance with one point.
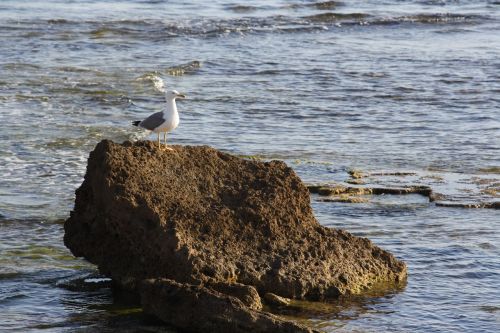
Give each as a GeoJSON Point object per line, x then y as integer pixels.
{"type": "Point", "coordinates": [165, 141]}
{"type": "Point", "coordinates": [159, 140]}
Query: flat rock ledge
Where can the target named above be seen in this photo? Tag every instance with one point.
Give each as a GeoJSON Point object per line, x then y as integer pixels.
{"type": "Point", "coordinates": [199, 229]}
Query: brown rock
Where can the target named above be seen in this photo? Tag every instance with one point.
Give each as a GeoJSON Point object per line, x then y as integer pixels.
{"type": "Point", "coordinates": [355, 181]}
{"type": "Point", "coordinates": [346, 199]}
{"type": "Point", "coordinates": [198, 309]}
{"type": "Point", "coordinates": [339, 190]}
{"type": "Point", "coordinates": [491, 205]}
{"type": "Point", "coordinates": [197, 215]}
{"type": "Point", "coordinates": [245, 293]}
{"type": "Point", "coordinates": [397, 173]}
{"type": "Point", "coordinates": [273, 299]}
{"type": "Point", "coordinates": [356, 173]}
{"type": "Point", "coordinates": [336, 190]}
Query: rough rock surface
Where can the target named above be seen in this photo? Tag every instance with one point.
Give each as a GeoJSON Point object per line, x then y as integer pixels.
{"type": "Point", "coordinates": [276, 300]}
{"type": "Point", "coordinates": [198, 309]}
{"type": "Point", "coordinates": [197, 215]}
{"type": "Point", "coordinates": [245, 293]}
{"type": "Point", "coordinates": [213, 230]}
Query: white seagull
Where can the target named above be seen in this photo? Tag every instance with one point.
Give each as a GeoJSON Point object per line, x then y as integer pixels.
{"type": "Point", "coordinates": [165, 121]}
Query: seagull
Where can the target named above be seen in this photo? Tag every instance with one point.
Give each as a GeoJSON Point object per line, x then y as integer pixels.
{"type": "Point", "coordinates": [165, 121]}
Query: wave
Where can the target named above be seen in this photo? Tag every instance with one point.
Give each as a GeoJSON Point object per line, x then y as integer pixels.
{"type": "Point", "coordinates": [447, 18]}
{"type": "Point", "coordinates": [335, 17]}
{"type": "Point", "coordinates": [242, 9]}
{"type": "Point", "coordinates": [438, 18]}
{"type": "Point", "coordinates": [158, 30]}
{"type": "Point", "coordinates": [322, 5]}
{"type": "Point", "coordinates": [326, 5]}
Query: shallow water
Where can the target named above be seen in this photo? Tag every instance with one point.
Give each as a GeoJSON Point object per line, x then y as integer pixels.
{"type": "Point", "coordinates": [369, 85]}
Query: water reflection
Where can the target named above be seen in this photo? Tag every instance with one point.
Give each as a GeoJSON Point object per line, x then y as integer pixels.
{"type": "Point", "coordinates": [333, 314]}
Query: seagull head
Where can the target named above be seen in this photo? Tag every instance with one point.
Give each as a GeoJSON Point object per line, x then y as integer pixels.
{"type": "Point", "coordinates": [173, 94]}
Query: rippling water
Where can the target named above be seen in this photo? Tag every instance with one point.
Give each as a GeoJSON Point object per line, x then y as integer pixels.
{"type": "Point", "coordinates": [326, 86]}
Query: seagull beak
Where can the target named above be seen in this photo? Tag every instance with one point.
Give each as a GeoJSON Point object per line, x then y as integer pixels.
{"type": "Point", "coordinates": [180, 96]}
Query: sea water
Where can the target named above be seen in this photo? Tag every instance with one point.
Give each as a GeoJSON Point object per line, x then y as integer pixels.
{"type": "Point", "coordinates": [378, 86]}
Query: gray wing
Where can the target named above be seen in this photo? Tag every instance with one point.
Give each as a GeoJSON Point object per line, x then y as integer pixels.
{"type": "Point", "coordinates": [153, 121]}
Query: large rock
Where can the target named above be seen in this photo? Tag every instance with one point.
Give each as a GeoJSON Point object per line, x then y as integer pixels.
{"type": "Point", "coordinates": [199, 216]}
{"type": "Point", "coordinates": [198, 309]}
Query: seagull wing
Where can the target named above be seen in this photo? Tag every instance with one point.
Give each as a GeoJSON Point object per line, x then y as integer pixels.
{"type": "Point", "coordinates": [153, 121]}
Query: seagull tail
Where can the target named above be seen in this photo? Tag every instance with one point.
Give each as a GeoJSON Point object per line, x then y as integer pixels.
{"type": "Point", "coordinates": [136, 123]}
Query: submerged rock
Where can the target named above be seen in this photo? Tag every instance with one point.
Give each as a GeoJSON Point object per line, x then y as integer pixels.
{"type": "Point", "coordinates": [339, 190]}
{"type": "Point", "coordinates": [245, 293]}
{"type": "Point", "coordinates": [491, 205]}
{"type": "Point", "coordinates": [186, 68]}
{"type": "Point", "coordinates": [276, 300]}
{"type": "Point", "coordinates": [198, 216]}
{"type": "Point", "coordinates": [346, 199]}
{"type": "Point", "coordinates": [199, 309]}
